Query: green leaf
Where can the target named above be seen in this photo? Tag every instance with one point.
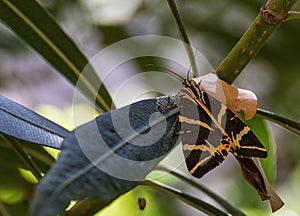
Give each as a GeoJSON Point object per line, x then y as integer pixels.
{"type": "Point", "coordinates": [35, 26]}
{"type": "Point", "coordinates": [260, 129]}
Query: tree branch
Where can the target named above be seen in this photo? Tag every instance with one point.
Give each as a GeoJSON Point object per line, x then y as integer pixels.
{"type": "Point", "coordinates": [271, 15]}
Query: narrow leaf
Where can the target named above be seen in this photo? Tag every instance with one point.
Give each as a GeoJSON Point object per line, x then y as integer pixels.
{"type": "Point", "coordinates": [27, 160]}
{"type": "Point", "coordinates": [24, 124]}
{"type": "Point", "coordinates": [108, 156]}
{"type": "Point", "coordinates": [182, 176]}
{"type": "Point", "coordinates": [183, 35]}
{"type": "Point", "coordinates": [8, 157]}
{"type": "Point", "coordinates": [192, 201]}
{"type": "Point", "coordinates": [87, 207]}
{"type": "Point", "coordinates": [36, 27]}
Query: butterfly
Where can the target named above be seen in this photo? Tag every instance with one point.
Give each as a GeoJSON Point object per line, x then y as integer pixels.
{"type": "Point", "coordinates": [209, 131]}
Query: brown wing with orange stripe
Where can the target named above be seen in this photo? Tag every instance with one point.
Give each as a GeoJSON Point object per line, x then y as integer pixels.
{"type": "Point", "coordinates": [205, 143]}
{"type": "Point", "coordinates": [244, 144]}
{"type": "Point", "coordinates": [209, 130]}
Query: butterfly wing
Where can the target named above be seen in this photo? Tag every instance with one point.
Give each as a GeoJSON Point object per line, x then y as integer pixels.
{"type": "Point", "coordinates": [205, 144]}
{"type": "Point", "coordinates": [244, 142]}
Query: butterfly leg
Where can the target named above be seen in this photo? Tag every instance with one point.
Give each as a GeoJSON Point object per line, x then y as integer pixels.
{"type": "Point", "coordinates": [171, 105]}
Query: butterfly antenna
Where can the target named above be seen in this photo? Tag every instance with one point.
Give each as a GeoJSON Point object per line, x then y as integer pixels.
{"type": "Point", "coordinates": [172, 72]}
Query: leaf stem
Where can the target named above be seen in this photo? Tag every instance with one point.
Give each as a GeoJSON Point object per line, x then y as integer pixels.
{"type": "Point", "coordinates": [87, 207]}
{"type": "Point", "coordinates": [192, 201]}
{"type": "Point", "coordinates": [25, 157]}
{"type": "Point", "coordinates": [278, 119]}
{"type": "Point", "coordinates": [271, 15]}
{"type": "Point", "coordinates": [292, 15]}
{"type": "Point", "coordinates": [183, 35]}
{"type": "Point", "coordinates": [182, 176]}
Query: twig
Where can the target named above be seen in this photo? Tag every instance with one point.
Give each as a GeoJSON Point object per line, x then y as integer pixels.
{"type": "Point", "coordinates": [281, 120]}
{"type": "Point", "coordinates": [183, 36]}
{"type": "Point", "coordinates": [271, 15]}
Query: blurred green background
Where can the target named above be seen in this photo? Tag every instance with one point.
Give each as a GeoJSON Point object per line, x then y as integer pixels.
{"type": "Point", "coordinates": [214, 28]}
